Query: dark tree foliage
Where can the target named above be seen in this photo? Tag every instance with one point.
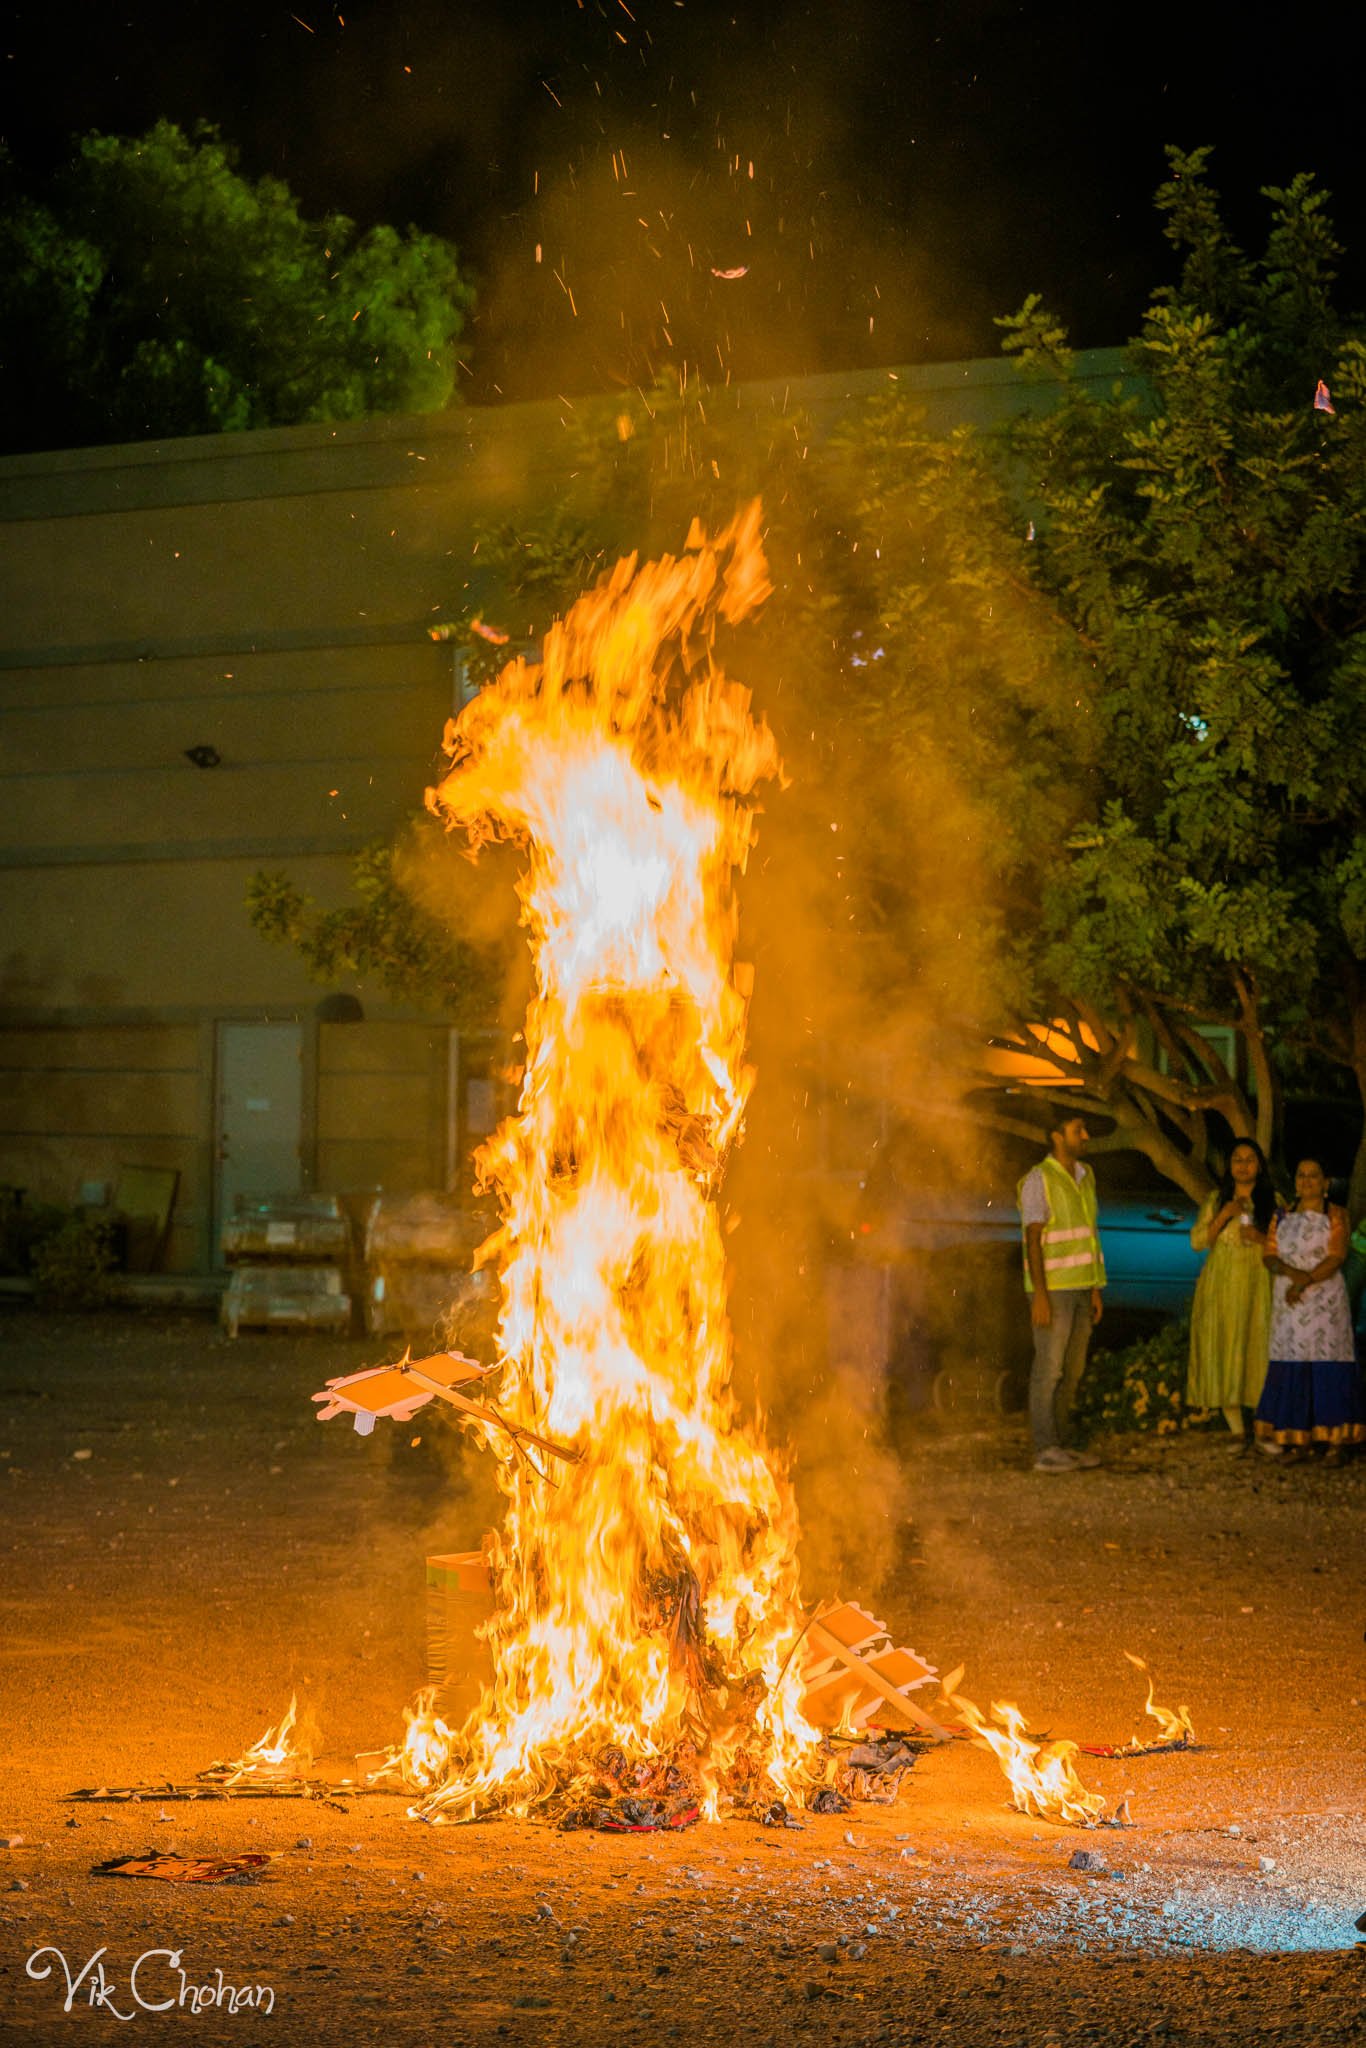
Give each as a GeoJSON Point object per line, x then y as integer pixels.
{"type": "Point", "coordinates": [1206, 548]}
{"type": "Point", "coordinates": [153, 290]}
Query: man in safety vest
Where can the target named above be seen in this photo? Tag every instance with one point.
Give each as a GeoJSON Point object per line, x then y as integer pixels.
{"type": "Point", "coordinates": [1064, 1274]}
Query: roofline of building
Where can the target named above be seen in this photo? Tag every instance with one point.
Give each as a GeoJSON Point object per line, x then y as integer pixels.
{"type": "Point", "coordinates": [467, 430]}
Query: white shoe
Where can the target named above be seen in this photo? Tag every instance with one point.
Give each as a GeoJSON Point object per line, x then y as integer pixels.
{"type": "Point", "coordinates": [1055, 1459]}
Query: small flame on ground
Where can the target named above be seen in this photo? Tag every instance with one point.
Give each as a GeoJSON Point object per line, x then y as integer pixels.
{"type": "Point", "coordinates": [1042, 1775]}
{"type": "Point", "coordinates": [1172, 1725]}
{"type": "Point", "coordinates": [282, 1752]}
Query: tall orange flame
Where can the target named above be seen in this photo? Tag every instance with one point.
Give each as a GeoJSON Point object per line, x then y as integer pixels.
{"type": "Point", "coordinates": [646, 1596]}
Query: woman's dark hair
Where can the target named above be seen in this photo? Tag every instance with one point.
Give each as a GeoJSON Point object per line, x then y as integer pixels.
{"type": "Point", "coordinates": [1263, 1192]}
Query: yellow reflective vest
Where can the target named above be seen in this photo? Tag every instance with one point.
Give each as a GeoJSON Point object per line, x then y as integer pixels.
{"type": "Point", "coordinates": [1071, 1242]}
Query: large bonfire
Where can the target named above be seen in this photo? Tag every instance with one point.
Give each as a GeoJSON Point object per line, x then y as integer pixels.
{"type": "Point", "coordinates": [646, 1598]}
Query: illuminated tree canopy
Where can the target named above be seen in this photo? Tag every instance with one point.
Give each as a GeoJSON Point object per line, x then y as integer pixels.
{"type": "Point", "coordinates": [153, 290]}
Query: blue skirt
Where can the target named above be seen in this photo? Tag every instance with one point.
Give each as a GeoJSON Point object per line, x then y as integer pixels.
{"type": "Point", "coordinates": [1312, 1403]}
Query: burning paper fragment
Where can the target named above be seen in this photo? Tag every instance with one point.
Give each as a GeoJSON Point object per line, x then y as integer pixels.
{"type": "Point", "coordinates": [728, 276]}
{"type": "Point", "coordinates": [1174, 1726]}
{"type": "Point", "coordinates": [1323, 399]}
{"type": "Point", "coordinates": [398, 1391]}
{"type": "Point", "coordinates": [855, 1677]}
{"type": "Point", "coordinates": [421, 1760]}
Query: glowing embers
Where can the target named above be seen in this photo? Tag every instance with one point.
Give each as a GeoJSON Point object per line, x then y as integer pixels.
{"type": "Point", "coordinates": [646, 1603]}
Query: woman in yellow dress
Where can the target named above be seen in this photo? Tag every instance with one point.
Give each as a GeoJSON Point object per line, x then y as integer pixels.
{"type": "Point", "coordinates": [1231, 1316]}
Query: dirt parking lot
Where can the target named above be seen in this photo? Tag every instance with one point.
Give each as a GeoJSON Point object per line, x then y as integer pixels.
{"type": "Point", "coordinates": [184, 1546]}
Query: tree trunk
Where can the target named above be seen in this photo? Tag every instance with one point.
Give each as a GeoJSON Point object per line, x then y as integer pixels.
{"type": "Point", "coordinates": [1356, 1191]}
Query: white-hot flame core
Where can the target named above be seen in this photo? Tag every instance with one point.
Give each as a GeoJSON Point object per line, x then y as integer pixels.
{"type": "Point", "coordinates": [647, 1599]}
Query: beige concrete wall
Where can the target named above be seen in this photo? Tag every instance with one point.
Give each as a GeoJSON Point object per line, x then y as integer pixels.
{"type": "Point", "coordinates": [382, 1106]}
{"type": "Point", "coordinates": [170, 936]}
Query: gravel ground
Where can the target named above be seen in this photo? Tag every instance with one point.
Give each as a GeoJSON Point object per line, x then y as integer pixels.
{"type": "Point", "coordinates": [184, 1546]}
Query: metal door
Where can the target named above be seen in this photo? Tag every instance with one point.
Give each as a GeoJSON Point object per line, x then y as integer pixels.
{"type": "Point", "coordinates": [260, 1113]}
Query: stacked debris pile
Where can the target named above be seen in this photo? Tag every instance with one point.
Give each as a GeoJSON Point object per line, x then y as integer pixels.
{"type": "Point", "coordinates": [288, 1254]}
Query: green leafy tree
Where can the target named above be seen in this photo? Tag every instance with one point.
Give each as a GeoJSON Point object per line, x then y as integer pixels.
{"type": "Point", "coordinates": [1207, 549]}
{"type": "Point", "coordinates": [155, 290]}
{"type": "Point", "coordinates": [402, 927]}
{"type": "Point", "coordinates": [1192, 547]}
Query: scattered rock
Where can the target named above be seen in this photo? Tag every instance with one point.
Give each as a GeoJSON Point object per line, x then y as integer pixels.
{"type": "Point", "coordinates": [1266, 1862]}
{"type": "Point", "coordinates": [1086, 1859]}
{"type": "Point", "coordinates": [18, 1884]}
{"type": "Point", "coordinates": [304, 1842]}
{"type": "Point", "coordinates": [827, 1951]}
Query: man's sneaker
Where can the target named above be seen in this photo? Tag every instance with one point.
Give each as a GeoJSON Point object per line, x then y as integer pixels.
{"type": "Point", "coordinates": [1055, 1459]}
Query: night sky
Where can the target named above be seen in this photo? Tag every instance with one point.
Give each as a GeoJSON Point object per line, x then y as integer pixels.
{"type": "Point", "coordinates": [888, 177]}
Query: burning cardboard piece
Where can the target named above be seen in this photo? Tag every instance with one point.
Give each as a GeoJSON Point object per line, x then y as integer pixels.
{"type": "Point", "coordinates": [856, 1677]}
{"type": "Point", "coordinates": [399, 1390]}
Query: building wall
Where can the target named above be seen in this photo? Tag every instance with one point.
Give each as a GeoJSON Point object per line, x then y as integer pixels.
{"type": "Point", "coordinates": [269, 595]}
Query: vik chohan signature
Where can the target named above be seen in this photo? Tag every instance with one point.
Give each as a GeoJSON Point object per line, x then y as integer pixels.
{"type": "Point", "coordinates": [156, 1983]}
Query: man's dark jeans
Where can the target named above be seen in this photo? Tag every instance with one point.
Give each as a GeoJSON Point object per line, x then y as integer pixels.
{"type": "Point", "coordinates": [1059, 1361]}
